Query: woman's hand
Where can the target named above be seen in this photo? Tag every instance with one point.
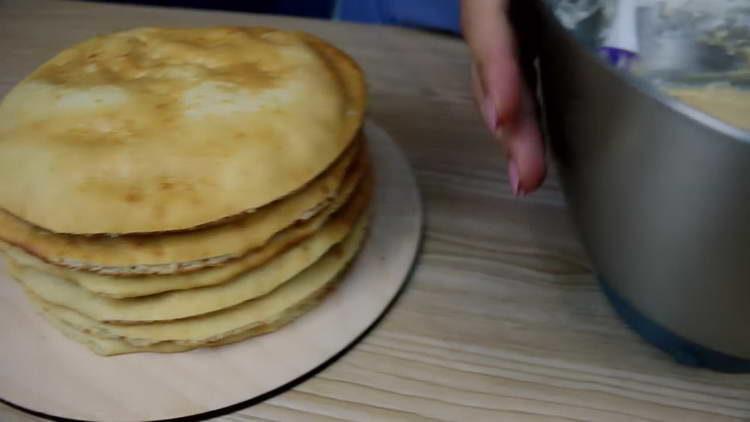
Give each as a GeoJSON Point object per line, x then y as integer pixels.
{"type": "Point", "coordinates": [500, 92]}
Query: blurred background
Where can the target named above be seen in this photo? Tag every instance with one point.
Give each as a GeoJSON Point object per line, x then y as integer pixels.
{"type": "Point", "coordinates": [435, 15]}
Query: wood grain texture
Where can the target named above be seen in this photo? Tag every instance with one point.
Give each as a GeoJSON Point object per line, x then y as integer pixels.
{"type": "Point", "coordinates": [502, 319]}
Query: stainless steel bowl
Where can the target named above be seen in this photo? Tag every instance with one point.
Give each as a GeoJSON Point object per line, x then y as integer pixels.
{"type": "Point", "coordinates": [661, 193]}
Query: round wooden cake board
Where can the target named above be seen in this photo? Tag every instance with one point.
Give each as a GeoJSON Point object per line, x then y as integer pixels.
{"type": "Point", "coordinates": [45, 373]}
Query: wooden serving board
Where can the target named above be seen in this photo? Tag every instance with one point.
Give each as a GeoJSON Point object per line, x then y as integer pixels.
{"type": "Point", "coordinates": [42, 371]}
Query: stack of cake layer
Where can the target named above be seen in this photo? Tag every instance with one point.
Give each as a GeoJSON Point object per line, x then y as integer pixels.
{"type": "Point", "coordinates": [167, 189]}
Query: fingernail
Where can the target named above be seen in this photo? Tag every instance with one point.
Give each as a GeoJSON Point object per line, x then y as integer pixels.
{"type": "Point", "coordinates": [514, 179]}
{"type": "Point", "coordinates": [490, 114]}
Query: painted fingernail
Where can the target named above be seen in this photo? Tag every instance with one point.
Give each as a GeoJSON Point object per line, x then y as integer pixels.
{"type": "Point", "coordinates": [490, 114]}
{"type": "Point", "coordinates": [513, 178]}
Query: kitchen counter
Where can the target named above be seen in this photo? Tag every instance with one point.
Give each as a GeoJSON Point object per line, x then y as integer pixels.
{"type": "Point", "coordinates": [502, 318]}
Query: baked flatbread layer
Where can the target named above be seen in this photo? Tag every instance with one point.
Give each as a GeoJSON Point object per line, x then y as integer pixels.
{"type": "Point", "coordinates": [110, 346]}
{"type": "Point", "coordinates": [197, 301]}
{"type": "Point", "coordinates": [156, 129]}
{"type": "Point", "coordinates": [119, 287]}
{"type": "Point", "coordinates": [211, 328]}
{"type": "Point", "coordinates": [185, 251]}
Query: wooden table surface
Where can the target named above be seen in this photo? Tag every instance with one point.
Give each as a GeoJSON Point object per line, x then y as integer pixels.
{"type": "Point", "coordinates": [502, 319]}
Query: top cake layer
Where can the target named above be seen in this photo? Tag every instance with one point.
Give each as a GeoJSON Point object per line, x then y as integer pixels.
{"type": "Point", "coordinates": [154, 129]}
